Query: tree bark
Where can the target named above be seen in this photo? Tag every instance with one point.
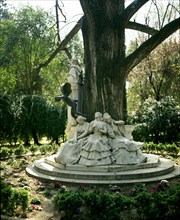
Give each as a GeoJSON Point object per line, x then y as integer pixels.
{"type": "Point", "coordinates": [106, 67]}
{"type": "Point", "coordinates": [104, 43]}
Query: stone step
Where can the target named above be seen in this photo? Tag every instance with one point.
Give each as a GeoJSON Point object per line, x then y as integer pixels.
{"type": "Point", "coordinates": [165, 166]}
{"type": "Point", "coordinates": [153, 170]}
{"type": "Point", "coordinates": [152, 162]}
{"type": "Point", "coordinates": [34, 173]}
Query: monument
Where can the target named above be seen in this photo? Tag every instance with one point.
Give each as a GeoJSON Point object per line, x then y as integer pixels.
{"type": "Point", "coordinates": [100, 142]}
{"type": "Point", "coordinates": [101, 151]}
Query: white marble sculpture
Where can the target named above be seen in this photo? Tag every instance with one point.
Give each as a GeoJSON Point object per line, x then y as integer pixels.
{"type": "Point", "coordinates": [74, 78]}
{"type": "Point", "coordinates": [96, 150]}
{"type": "Point", "coordinates": [102, 142]}
{"type": "Point", "coordinates": [69, 152]}
{"type": "Point", "coordinates": [74, 75]}
{"type": "Point", "coordinates": [124, 151]}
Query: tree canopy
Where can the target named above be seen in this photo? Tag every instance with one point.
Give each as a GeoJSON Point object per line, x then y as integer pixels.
{"type": "Point", "coordinates": [28, 38]}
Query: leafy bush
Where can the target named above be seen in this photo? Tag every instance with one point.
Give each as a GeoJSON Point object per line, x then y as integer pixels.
{"type": "Point", "coordinates": [99, 204]}
{"type": "Point", "coordinates": [160, 148]}
{"type": "Point", "coordinates": [23, 200]}
{"type": "Point", "coordinates": [5, 152]}
{"type": "Point", "coordinates": [7, 199]}
{"type": "Point", "coordinates": [20, 150]}
{"type": "Point", "coordinates": [30, 116]}
{"type": "Point", "coordinates": [33, 148]}
{"type": "Point", "coordinates": [161, 202]}
{"type": "Point", "coordinates": [6, 119]}
{"type": "Point", "coordinates": [56, 122]}
{"type": "Point", "coordinates": [69, 202]}
{"type": "Point", "coordinates": [43, 149]}
{"type": "Point", "coordinates": [12, 198]}
{"type": "Point", "coordinates": [35, 201]}
{"type": "Point", "coordinates": [158, 121]}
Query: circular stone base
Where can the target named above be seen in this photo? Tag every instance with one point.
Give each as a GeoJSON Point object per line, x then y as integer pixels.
{"type": "Point", "coordinates": [153, 170]}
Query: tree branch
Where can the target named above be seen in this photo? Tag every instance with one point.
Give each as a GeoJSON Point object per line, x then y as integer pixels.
{"type": "Point", "coordinates": [149, 45]}
{"type": "Point", "coordinates": [141, 27]}
{"type": "Point", "coordinates": [131, 10]}
{"type": "Point", "coordinates": [63, 44]}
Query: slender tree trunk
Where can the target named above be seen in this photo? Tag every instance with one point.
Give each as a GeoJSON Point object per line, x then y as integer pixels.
{"type": "Point", "coordinates": [37, 81]}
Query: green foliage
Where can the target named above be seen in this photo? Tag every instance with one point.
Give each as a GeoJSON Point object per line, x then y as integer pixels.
{"type": "Point", "coordinates": [68, 202]}
{"type": "Point", "coordinates": [12, 198]}
{"type": "Point", "coordinates": [5, 152]}
{"type": "Point", "coordinates": [27, 38]}
{"type": "Point", "coordinates": [96, 204]}
{"type": "Point", "coordinates": [35, 201]}
{"type": "Point", "coordinates": [145, 199]}
{"type": "Point", "coordinates": [161, 202]}
{"type": "Point", "coordinates": [33, 148]}
{"type": "Point", "coordinates": [121, 204]}
{"type": "Point", "coordinates": [6, 118]}
{"type": "Point", "coordinates": [56, 121]}
{"type": "Point", "coordinates": [43, 149]}
{"type": "Point", "coordinates": [55, 147]}
{"type": "Point", "coordinates": [160, 148]}
{"type": "Point", "coordinates": [7, 199]}
{"type": "Point", "coordinates": [158, 121]}
{"type": "Point", "coordinates": [173, 201]}
{"type": "Point", "coordinates": [38, 115]}
{"type": "Point", "coordinates": [27, 117]}
{"type": "Point", "coordinates": [172, 149]}
{"type": "Point", "coordinates": [3, 10]}
{"type": "Point", "coordinates": [99, 204]}
{"type": "Point", "coordinates": [23, 200]}
{"type": "Point", "coordinates": [156, 76]}
{"type": "Point", "coordinates": [20, 150]}
{"type": "Point", "coordinates": [33, 117]}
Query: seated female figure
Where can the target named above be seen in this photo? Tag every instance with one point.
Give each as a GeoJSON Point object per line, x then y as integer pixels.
{"type": "Point", "coordinates": [123, 150]}
{"type": "Point", "coordinates": [69, 152]}
{"type": "Point", "coordinates": [96, 150]}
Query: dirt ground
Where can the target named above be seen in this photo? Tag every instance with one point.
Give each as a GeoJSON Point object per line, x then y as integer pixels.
{"type": "Point", "coordinates": [13, 171]}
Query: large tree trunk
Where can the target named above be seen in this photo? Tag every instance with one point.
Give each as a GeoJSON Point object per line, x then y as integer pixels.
{"type": "Point", "coordinates": [106, 67]}
{"type": "Point", "coordinates": [104, 43]}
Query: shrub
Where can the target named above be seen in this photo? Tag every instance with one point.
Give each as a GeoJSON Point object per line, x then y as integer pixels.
{"type": "Point", "coordinates": [33, 148]}
{"type": "Point", "coordinates": [69, 202]}
{"type": "Point", "coordinates": [43, 149]}
{"type": "Point", "coordinates": [24, 200]}
{"type": "Point", "coordinates": [35, 201]}
{"type": "Point", "coordinates": [6, 119]}
{"type": "Point", "coordinates": [170, 149]}
{"type": "Point", "coordinates": [12, 198]}
{"type": "Point", "coordinates": [20, 150]}
{"type": "Point", "coordinates": [7, 199]}
{"type": "Point", "coordinates": [99, 204]}
{"type": "Point", "coordinates": [161, 202]}
{"type": "Point", "coordinates": [158, 121]}
{"type": "Point", "coordinates": [5, 152]}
